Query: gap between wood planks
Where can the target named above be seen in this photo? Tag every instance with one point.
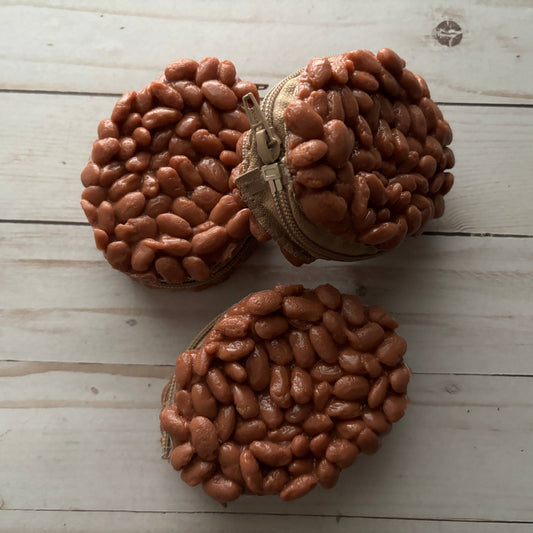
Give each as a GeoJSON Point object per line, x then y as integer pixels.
{"type": "Point", "coordinates": [337, 517]}
{"type": "Point", "coordinates": [15, 368]}
{"type": "Point", "coordinates": [439, 233]}
{"type": "Point", "coordinates": [260, 86]}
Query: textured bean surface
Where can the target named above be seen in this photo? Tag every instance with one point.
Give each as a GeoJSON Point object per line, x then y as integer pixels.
{"type": "Point", "coordinates": [383, 170]}
{"type": "Point", "coordinates": [160, 168]}
{"type": "Point", "coordinates": [293, 407]}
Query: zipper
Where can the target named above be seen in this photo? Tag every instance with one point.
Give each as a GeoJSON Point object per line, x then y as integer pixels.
{"type": "Point", "coordinates": [270, 143]}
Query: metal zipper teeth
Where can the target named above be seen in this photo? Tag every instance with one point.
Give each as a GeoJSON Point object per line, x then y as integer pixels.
{"type": "Point", "coordinates": [281, 199]}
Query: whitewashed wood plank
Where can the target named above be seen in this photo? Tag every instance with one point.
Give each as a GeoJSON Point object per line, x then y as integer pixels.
{"type": "Point", "coordinates": [44, 154]}
{"type": "Point", "coordinates": [51, 385]}
{"type": "Point", "coordinates": [82, 46]}
{"type": "Point", "coordinates": [139, 522]}
{"type": "Point", "coordinates": [462, 452]}
{"type": "Point", "coordinates": [464, 303]}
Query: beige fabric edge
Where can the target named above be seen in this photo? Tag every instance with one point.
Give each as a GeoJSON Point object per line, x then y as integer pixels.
{"type": "Point", "coordinates": [167, 396]}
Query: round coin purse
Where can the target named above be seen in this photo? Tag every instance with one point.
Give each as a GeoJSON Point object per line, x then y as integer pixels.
{"type": "Point", "coordinates": [157, 189]}
{"type": "Point", "coordinates": [282, 391]}
{"type": "Point", "coordinates": [345, 158]}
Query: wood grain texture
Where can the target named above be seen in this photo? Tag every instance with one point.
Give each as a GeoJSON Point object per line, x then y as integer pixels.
{"type": "Point", "coordinates": [91, 46]}
{"type": "Point", "coordinates": [43, 155]}
{"type": "Point", "coordinates": [461, 437]}
{"type": "Point", "coordinates": [222, 522]}
{"type": "Point", "coordinates": [462, 302]}
{"type": "Point", "coordinates": [85, 352]}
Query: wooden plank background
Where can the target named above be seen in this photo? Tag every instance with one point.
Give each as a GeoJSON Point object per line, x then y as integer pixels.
{"type": "Point", "coordinates": [85, 352]}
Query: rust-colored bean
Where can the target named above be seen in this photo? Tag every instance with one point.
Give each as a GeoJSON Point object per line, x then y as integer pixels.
{"type": "Point", "coordinates": [394, 407]}
{"type": "Point", "coordinates": [183, 402]}
{"type": "Point", "coordinates": [319, 444]}
{"type": "Point", "coordinates": [303, 351]}
{"type": "Point", "coordinates": [247, 431]}
{"type": "Point", "coordinates": [123, 107]}
{"type": "Point", "coordinates": [343, 409]}
{"type": "Point", "coordinates": [258, 369]}
{"type": "Point", "coordinates": [107, 128]}
{"type": "Point", "coordinates": [245, 401]}
{"type": "Point", "coordinates": [340, 143]}
{"type": "Point", "coordinates": [207, 70]}
{"type": "Point", "coordinates": [350, 429]}
{"type": "Point", "coordinates": [379, 315]}
{"type": "Point", "coordinates": [235, 371]}
{"type": "Point", "coordinates": [228, 458]}
{"type": "Point", "coordinates": [218, 385]}
{"type": "Point", "coordinates": [327, 473]}
{"type": "Point", "coordinates": [378, 392]}
{"type": "Point", "coordinates": [280, 386]}
{"type": "Point", "coordinates": [220, 95]}
{"type": "Point", "coordinates": [197, 471]}
{"type": "Point", "coordinates": [307, 153]}
{"type": "Point", "coordinates": [366, 338]}
{"type": "Point", "coordinates": [181, 69]}
{"type": "Point", "coordinates": [301, 466]}
{"type": "Point", "coordinates": [170, 270]}
{"type": "Point", "coordinates": [301, 386]}
{"type": "Point", "coordinates": [298, 487]}
{"type": "Point", "coordinates": [238, 225]}
{"type": "Point", "coordinates": [271, 414]}
{"type": "Point", "coordinates": [204, 437]}
{"type": "Point", "coordinates": [323, 371]}
{"type": "Point", "coordinates": [391, 61]}
{"type": "Point", "coordinates": [351, 388]}
{"type": "Point", "coordinates": [264, 302]}
{"type": "Point", "coordinates": [284, 433]}
{"type": "Point", "coordinates": [302, 120]}
{"type": "Point", "coordinates": [222, 489]}
{"type": "Point", "coordinates": [376, 421]}
{"type": "Point", "coordinates": [411, 85]}
{"type": "Point", "coordinates": [225, 422]}
{"type": "Point", "coordinates": [323, 344]}
{"type": "Point", "coordinates": [300, 445]}
{"type": "Point", "coordinates": [275, 480]}
{"type": "Point", "coordinates": [367, 441]}
{"type": "Point", "coordinates": [318, 72]}
{"type": "Point", "coordinates": [183, 370]}
{"type": "Point", "coordinates": [336, 326]}
{"type": "Point", "coordinates": [175, 425]}
{"type": "Point", "coordinates": [269, 328]}
{"type": "Point", "coordinates": [133, 121]}
{"type": "Point", "coordinates": [317, 423]}
{"type": "Point", "coordinates": [181, 455]}
{"type": "Point", "coordinates": [188, 124]}
{"type": "Point", "coordinates": [351, 361]}
{"type": "Point", "coordinates": [391, 350]}
{"type": "Point", "coordinates": [316, 177]}
{"type": "Point", "coordinates": [101, 239]}
{"type": "Point", "coordinates": [341, 452]}
{"type": "Point", "coordinates": [203, 401]}
{"type": "Point", "coordinates": [321, 394]}
{"type": "Point", "coordinates": [372, 365]}
{"type": "Point", "coordinates": [300, 308]}
{"type": "Point", "coordinates": [235, 349]}
{"type": "Point", "coordinates": [270, 453]}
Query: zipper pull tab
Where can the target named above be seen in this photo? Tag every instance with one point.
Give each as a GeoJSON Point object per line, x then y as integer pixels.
{"type": "Point", "coordinates": [268, 143]}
